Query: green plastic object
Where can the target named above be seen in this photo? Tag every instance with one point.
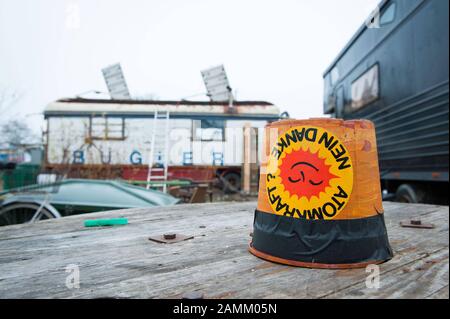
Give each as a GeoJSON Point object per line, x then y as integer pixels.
{"type": "Point", "coordinates": [105, 222]}
{"type": "Point", "coordinates": [24, 174]}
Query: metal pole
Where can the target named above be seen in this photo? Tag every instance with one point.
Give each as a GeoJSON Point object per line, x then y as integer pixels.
{"type": "Point", "coordinates": [230, 97]}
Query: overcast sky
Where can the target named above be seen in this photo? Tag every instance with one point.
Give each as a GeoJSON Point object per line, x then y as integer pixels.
{"type": "Point", "coordinates": [272, 50]}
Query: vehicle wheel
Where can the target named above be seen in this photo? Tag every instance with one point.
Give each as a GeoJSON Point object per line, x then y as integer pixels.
{"type": "Point", "coordinates": [20, 213]}
{"type": "Point", "coordinates": [407, 193]}
{"type": "Point", "coordinates": [231, 183]}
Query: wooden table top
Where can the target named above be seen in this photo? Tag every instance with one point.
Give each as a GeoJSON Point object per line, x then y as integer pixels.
{"type": "Point", "coordinates": [121, 262]}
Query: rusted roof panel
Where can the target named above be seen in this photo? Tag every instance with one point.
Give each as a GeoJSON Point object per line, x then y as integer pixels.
{"type": "Point", "coordinates": [140, 107]}
{"type": "Point", "coordinates": [157, 102]}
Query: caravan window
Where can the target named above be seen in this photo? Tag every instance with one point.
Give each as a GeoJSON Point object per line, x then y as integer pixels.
{"type": "Point", "coordinates": [107, 128]}
{"type": "Point", "coordinates": [388, 15]}
{"type": "Point", "coordinates": [365, 89]}
{"type": "Point", "coordinates": [209, 130]}
{"type": "Point", "coordinates": [334, 76]}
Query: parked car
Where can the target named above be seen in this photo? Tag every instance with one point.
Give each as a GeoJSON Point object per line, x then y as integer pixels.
{"type": "Point", "coordinates": [75, 196]}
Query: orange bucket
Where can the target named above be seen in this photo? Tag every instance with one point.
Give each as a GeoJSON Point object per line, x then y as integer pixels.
{"type": "Point", "coordinates": [320, 203]}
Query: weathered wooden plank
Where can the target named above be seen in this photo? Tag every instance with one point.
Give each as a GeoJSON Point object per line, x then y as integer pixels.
{"type": "Point", "coordinates": [121, 262]}
{"type": "Point", "coordinates": [440, 294]}
{"type": "Point", "coordinates": [418, 279]}
{"type": "Point", "coordinates": [252, 280]}
{"type": "Point", "coordinates": [120, 246]}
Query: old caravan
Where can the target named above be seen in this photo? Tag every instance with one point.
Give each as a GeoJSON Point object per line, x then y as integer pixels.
{"type": "Point", "coordinates": [396, 74]}
{"type": "Point", "coordinates": [113, 139]}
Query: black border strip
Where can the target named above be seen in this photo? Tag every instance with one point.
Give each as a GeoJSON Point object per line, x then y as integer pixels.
{"type": "Point", "coordinates": [322, 241]}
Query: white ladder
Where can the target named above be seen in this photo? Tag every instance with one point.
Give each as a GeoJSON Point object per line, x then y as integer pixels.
{"type": "Point", "coordinates": [159, 146]}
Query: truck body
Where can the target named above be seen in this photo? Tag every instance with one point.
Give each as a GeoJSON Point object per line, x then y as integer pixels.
{"type": "Point", "coordinates": [395, 72]}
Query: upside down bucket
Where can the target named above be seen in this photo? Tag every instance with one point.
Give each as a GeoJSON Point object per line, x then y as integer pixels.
{"type": "Point", "coordinates": [319, 203]}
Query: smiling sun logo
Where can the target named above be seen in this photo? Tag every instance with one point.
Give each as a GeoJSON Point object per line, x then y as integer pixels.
{"type": "Point", "coordinates": [305, 174]}
{"type": "Point", "coordinates": [310, 174]}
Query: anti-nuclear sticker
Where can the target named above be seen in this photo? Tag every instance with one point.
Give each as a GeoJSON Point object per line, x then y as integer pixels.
{"type": "Point", "coordinates": [309, 174]}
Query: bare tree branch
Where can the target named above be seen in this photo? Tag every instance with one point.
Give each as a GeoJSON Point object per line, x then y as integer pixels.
{"type": "Point", "coordinates": [8, 98]}
{"type": "Point", "coordinates": [16, 133]}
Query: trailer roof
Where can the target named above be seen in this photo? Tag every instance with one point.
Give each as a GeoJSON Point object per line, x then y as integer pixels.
{"type": "Point", "coordinates": [80, 106]}
{"type": "Point", "coordinates": [170, 102]}
{"type": "Point", "coordinates": [361, 29]}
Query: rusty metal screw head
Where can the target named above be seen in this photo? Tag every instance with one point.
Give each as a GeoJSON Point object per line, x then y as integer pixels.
{"type": "Point", "coordinates": [416, 222]}
{"type": "Point", "coordinates": [169, 236]}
